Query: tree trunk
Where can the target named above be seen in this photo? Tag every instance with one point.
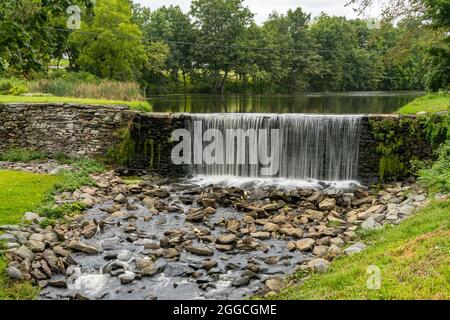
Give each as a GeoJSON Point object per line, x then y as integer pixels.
{"type": "Point", "coordinates": [222, 85]}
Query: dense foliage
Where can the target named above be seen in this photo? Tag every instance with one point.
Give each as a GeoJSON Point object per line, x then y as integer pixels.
{"type": "Point", "coordinates": [217, 46]}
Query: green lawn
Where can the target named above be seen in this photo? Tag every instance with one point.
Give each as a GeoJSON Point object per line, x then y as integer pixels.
{"type": "Point", "coordinates": [414, 259]}
{"type": "Point", "coordinates": [136, 105]}
{"type": "Point", "coordinates": [19, 192]}
{"type": "Point", "coordinates": [428, 103]}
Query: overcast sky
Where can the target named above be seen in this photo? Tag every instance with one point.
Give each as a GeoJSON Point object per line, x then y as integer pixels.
{"type": "Point", "coordinates": [262, 8]}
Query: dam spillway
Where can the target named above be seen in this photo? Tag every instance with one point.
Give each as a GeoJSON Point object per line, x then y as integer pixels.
{"type": "Point", "coordinates": [319, 147]}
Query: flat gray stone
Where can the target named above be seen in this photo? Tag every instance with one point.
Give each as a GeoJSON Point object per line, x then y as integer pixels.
{"type": "Point", "coordinates": [14, 273]}
{"type": "Point", "coordinates": [355, 248]}
{"type": "Point", "coordinates": [370, 224]}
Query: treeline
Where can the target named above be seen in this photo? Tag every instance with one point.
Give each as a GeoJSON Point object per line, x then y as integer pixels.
{"type": "Point", "coordinates": [217, 47]}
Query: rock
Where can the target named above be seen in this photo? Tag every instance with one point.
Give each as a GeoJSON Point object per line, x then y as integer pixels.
{"type": "Point", "coordinates": [120, 198]}
{"type": "Point", "coordinates": [370, 224]}
{"type": "Point", "coordinates": [78, 246]}
{"type": "Point", "coordinates": [320, 251]}
{"type": "Point", "coordinates": [35, 245]}
{"type": "Point", "coordinates": [270, 227]}
{"type": "Point", "coordinates": [201, 251]}
{"type": "Point", "coordinates": [260, 235]}
{"type": "Point", "coordinates": [209, 264]}
{"type": "Point", "coordinates": [170, 253]}
{"type": "Point", "coordinates": [208, 202]}
{"type": "Point", "coordinates": [241, 281]}
{"type": "Point", "coordinates": [38, 274]}
{"type": "Point", "coordinates": [355, 248]}
{"type": "Point", "coordinates": [319, 265]}
{"type": "Point", "coordinates": [37, 237]}
{"type": "Point", "coordinates": [291, 246]}
{"type": "Point", "coordinates": [30, 217]}
{"type": "Point", "coordinates": [25, 253]}
{"type": "Point", "coordinates": [7, 237]}
{"type": "Point", "coordinates": [159, 193]}
{"type": "Point", "coordinates": [304, 244]}
{"type": "Point", "coordinates": [406, 209]}
{"type": "Point", "coordinates": [14, 273]}
{"type": "Point", "coordinates": [89, 231]}
{"type": "Point", "coordinates": [292, 232]}
{"type": "Point", "coordinates": [274, 284]}
{"type": "Point", "coordinates": [279, 219]}
{"type": "Point", "coordinates": [375, 210]}
{"type": "Point", "coordinates": [362, 201]}
{"type": "Point", "coordinates": [337, 242]}
{"type": "Point", "coordinates": [316, 198]}
{"type": "Point", "coordinates": [58, 283]}
{"type": "Point", "coordinates": [334, 251]}
{"type": "Point", "coordinates": [420, 198]}
{"type": "Point", "coordinates": [314, 214]}
{"type": "Point", "coordinates": [327, 204]}
{"type": "Point", "coordinates": [210, 210]}
{"type": "Point", "coordinates": [60, 251]}
{"type": "Point", "coordinates": [224, 247]}
{"type": "Point", "coordinates": [226, 238]}
{"type": "Point", "coordinates": [127, 277]}
{"type": "Point", "coordinates": [147, 267]}
{"type": "Point", "coordinates": [88, 202]}
{"type": "Point", "coordinates": [195, 216]}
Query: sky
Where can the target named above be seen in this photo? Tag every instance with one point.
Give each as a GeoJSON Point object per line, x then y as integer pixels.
{"type": "Point", "coordinates": [262, 8]}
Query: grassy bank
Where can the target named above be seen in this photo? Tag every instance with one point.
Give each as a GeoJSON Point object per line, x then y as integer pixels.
{"type": "Point", "coordinates": [428, 103]}
{"type": "Point", "coordinates": [20, 192]}
{"type": "Point", "coordinates": [414, 259]}
{"type": "Point", "coordinates": [135, 105]}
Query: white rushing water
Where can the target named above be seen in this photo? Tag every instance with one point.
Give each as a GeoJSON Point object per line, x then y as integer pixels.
{"type": "Point", "coordinates": [310, 147]}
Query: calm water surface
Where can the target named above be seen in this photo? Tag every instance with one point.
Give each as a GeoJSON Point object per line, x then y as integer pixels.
{"type": "Point", "coordinates": [325, 103]}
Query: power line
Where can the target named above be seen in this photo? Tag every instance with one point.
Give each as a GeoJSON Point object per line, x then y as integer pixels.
{"type": "Point", "coordinates": [240, 47]}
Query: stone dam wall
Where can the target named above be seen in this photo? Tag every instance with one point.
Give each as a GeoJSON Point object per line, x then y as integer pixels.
{"type": "Point", "coordinates": [93, 131]}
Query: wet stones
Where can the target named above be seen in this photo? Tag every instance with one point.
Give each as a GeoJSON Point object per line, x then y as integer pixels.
{"type": "Point", "coordinates": [327, 204]}
{"type": "Point", "coordinates": [120, 198]}
{"type": "Point", "coordinates": [292, 232]}
{"type": "Point", "coordinates": [81, 247]}
{"type": "Point", "coordinates": [228, 238]}
{"type": "Point", "coordinates": [199, 250]}
{"type": "Point", "coordinates": [196, 215]}
{"type": "Point", "coordinates": [305, 244]}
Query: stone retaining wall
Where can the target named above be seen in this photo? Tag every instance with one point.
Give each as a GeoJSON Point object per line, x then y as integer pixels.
{"type": "Point", "coordinates": [90, 131]}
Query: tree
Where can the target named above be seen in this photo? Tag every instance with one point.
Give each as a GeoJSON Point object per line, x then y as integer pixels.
{"type": "Point", "coordinates": [430, 14]}
{"type": "Point", "coordinates": [27, 38]}
{"type": "Point", "coordinates": [220, 24]}
{"type": "Point", "coordinates": [111, 46]}
{"type": "Point", "coordinates": [173, 27]}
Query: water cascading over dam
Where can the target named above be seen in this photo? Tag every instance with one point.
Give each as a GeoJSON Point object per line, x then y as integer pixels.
{"type": "Point", "coordinates": [319, 147]}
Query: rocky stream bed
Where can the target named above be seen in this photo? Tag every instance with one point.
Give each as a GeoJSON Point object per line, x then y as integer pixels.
{"type": "Point", "coordinates": [156, 239]}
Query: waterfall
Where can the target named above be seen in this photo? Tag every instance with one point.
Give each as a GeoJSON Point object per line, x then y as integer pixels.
{"type": "Point", "coordinates": [320, 147]}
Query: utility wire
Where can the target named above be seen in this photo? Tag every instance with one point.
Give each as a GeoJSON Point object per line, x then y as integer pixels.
{"type": "Point", "coordinates": [149, 39]}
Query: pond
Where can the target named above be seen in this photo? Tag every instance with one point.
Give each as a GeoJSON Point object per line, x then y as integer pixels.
{"type": "Point", "coordinates": [321, 103]}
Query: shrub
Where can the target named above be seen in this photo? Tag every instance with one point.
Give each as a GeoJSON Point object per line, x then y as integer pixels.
{"type": "Point", "coordinates": [437, 177]}
{"type": "Point", "coordinates": [22, 155]}
{"type": "Point", "coordinates": [13, 86]}
{"type": "Point", "coordinates": [85, 85]}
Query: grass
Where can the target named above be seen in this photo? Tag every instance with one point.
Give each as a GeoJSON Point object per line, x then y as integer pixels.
{"type": "Point", "coordinates": [20, 192]}
{"type": "Point", "coordinates": [429, 103]}
{"type": "Point", "coordinates": [135, 105]}
{"type": "Point", "coordinates": [25, 155]}
{"type": "Point", "coordinates": [414, 258]}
